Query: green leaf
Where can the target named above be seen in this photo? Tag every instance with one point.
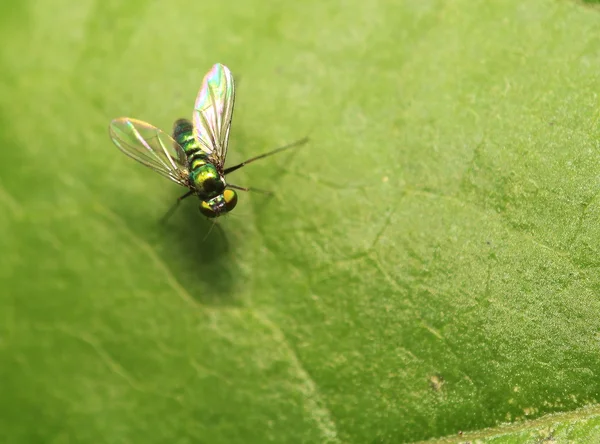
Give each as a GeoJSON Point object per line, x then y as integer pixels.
{"type": "Point", "coordinates": [427, 267]}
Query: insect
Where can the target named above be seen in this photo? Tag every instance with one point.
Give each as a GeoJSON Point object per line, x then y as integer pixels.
{"type": "Point", "coordinates": [194, 157]}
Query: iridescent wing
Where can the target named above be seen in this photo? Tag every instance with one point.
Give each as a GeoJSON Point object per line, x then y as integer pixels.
{"type": "Point", "coordinates": [151, 147]}
{"type": "Point", "coordinates": [213, 111]}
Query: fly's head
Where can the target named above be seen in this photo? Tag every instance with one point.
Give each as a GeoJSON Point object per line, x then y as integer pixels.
{"type": "Point", "coordinates": [219, 205]}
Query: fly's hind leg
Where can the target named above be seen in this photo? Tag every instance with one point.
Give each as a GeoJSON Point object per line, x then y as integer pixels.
{"type": "Point", "coordinates": [175, 206]}
{"type": "Point", "coordinates": [254, 190]}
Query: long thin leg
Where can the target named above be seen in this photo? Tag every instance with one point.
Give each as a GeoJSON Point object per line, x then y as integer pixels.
{"type": "Point", "coordinates": [175, 206]}
{"type": "Point", "coordinates": [255, 190]}
{"type": "Point", "coordinates": [210, 229]}
{"type": "Point", "coordinates": [270, 153]}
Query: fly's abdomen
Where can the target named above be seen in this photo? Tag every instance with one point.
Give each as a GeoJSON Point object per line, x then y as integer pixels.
{"type": "Point", "coordinates": [183, 133]}
{"type": "Point", "coordinates": [203, 174]}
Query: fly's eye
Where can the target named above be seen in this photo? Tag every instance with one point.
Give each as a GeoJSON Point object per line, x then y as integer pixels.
{"type": "Point", "coordinates": [207, 210]}
{"type": "Point", "coordinates": [230, 198]}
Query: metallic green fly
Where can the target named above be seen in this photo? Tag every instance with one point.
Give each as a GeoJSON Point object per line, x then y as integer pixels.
{"type": "Point", "coordinates": [195, 156]}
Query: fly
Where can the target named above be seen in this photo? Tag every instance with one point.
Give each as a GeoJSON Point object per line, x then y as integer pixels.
{"type": "Point", "coordinates": [194, 157]}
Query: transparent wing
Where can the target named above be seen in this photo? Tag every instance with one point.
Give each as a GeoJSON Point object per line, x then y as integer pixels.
{"type": "Point", "coordinates": [151, 147]}
{"type": "Point", "coordinates": [213, 111]}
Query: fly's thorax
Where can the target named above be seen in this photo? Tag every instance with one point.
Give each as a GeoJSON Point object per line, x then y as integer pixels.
{"type": "Point", "coordinates": [183, 133]}
{"type": "Point", "coordinates": [206, 180]}
{"type": "Point", "coordinates": [219, 205]}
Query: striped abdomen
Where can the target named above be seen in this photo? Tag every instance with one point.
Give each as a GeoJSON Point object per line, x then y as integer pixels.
{"type": "Point", "coordinates": [203, 174]}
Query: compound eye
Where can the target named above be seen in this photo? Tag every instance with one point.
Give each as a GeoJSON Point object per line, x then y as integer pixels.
{"type": "Point", "coordinates": [230, 198]}
{"type": "Point", "coordinates": [207, 210]}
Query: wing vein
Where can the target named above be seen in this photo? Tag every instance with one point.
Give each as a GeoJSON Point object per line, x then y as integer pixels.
{"type": "Point", "coordinates": [151, 147]}
{"type": "Point", "coordinates": [213, 111]}
{"type": "Point", "coordinates": [145, 144]}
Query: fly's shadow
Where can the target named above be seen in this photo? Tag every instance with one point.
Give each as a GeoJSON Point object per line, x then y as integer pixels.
{"type": "Point", "coordinates": [199, 254]}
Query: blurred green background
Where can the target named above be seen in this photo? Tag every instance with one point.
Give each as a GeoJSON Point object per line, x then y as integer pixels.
{"type": "Point", "coordinates": [427, 266]}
